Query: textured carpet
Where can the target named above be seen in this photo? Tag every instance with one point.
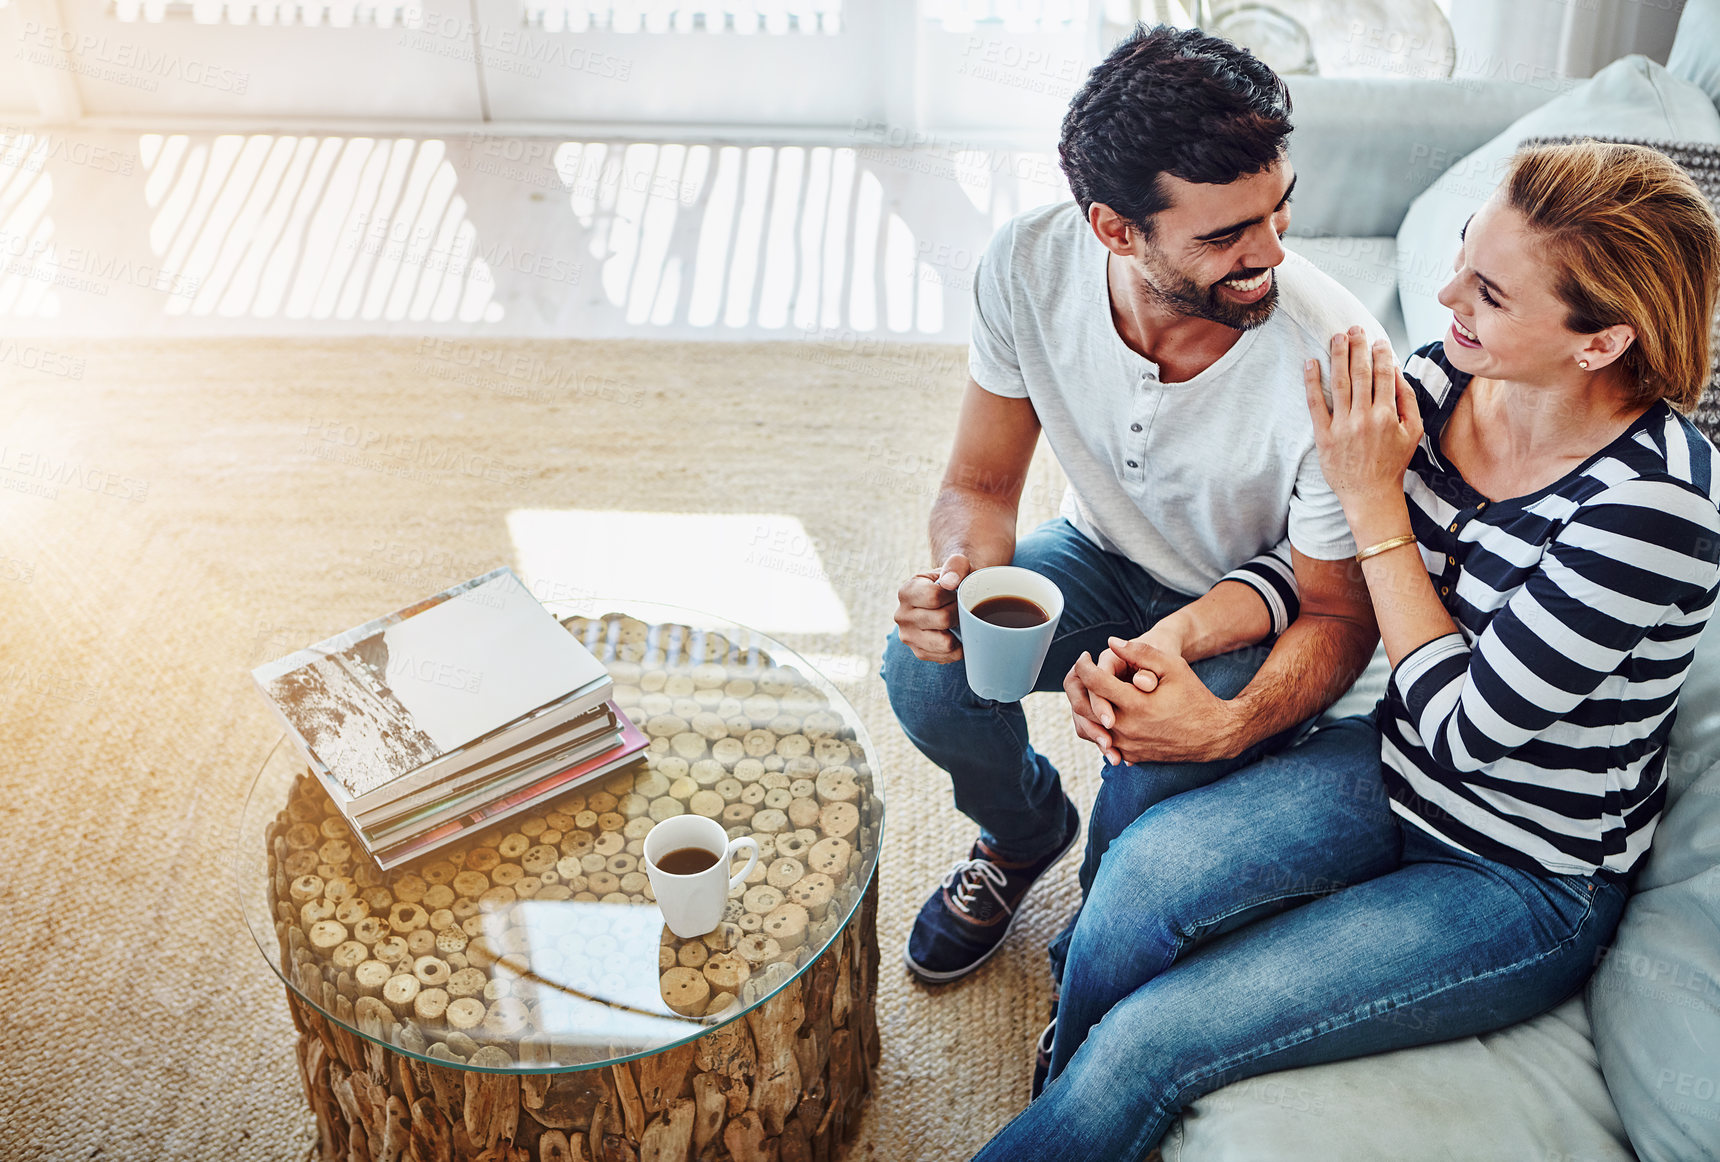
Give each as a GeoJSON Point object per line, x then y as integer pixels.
{"type": "Point", "coordinates": [174, 513]}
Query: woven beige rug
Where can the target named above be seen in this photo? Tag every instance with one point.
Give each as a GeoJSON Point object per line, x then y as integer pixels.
{"type": "Point", "coordinates": [174, 513]}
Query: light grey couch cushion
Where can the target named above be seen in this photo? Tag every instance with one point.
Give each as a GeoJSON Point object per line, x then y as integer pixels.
{"type": "Point", "coordinates": [1632, 97]}
{"type": "Point", "coordinates": [1696, 51]}
{"type": "Point", "coordinates": [1695, 742]}
{"type": "Point", "coordinates": [1655, 998]}
{"type": "Point", "coordinates": [1529, 1092]}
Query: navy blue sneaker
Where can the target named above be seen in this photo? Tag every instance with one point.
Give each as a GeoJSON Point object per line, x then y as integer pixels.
{"type": "Point", "coordinates": [967, 918]}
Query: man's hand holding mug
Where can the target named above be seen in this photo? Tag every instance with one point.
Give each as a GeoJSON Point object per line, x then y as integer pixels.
{"type": "Point", "coordinates": [926, 611]}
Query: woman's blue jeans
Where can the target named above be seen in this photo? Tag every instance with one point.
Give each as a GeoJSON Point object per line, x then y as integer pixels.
{"type": "Point", "coordinates": [1000, 781]}
{"type": "Point", "coordinates": [1281, 917]}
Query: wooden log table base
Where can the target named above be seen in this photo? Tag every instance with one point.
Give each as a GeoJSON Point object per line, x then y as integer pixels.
{"type": "Point", "coordinates": [785, 1083]}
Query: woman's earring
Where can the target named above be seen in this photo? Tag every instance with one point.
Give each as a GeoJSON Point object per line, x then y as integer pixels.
{"type": "Point", "coordinates": [1583, 363]}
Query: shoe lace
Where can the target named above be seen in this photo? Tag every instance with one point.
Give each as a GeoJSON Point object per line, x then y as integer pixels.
{"type": "Point", "coordinates": [974, 874]}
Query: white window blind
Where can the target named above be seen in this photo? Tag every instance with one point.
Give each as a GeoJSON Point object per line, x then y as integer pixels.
{"type": "Point", "coordinates": [668, 16]}
{"type": "Point", "coordinates": [334, 13]}
{"type": "Point", "coordinates": [1009, 15]}
{"type": "Point", "coordinates": [30, 276]}
{"type": "Point", "coordinates": [768, 17]}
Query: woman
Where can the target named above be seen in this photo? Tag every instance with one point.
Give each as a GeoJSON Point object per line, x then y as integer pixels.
{"type": "Point", "coordinates": [1451, 863]}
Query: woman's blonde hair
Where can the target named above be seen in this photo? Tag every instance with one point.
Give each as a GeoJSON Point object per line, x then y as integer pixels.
{"type": "Point", "coordinates": [1633, 241]}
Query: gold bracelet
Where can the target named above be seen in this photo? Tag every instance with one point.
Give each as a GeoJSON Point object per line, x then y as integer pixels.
{"type": "Point", "coordinates": [1383, 546]}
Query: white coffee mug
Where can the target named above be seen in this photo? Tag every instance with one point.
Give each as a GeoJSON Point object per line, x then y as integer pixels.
{"type": "Point", "coordinates": [693, 904]}
{"type": "Point", "coordinates": [1003, 662]}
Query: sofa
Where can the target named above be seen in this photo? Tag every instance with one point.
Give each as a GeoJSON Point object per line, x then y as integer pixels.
{"type": "Point", "coordinates": [1630, 1068]}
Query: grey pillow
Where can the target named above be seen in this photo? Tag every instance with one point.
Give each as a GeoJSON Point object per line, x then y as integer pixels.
{"type": "Point", "coordinates": [1654, 999]}
{"type": "Point", "coordinates": [1696, 50]}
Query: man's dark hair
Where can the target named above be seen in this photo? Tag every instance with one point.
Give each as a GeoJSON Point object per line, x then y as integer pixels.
{"type": "Point", "coordinates": [1176, 101]}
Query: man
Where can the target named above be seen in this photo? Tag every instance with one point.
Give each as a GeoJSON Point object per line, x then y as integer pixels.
{"type": "Point", "coordinates": [1155, 330]}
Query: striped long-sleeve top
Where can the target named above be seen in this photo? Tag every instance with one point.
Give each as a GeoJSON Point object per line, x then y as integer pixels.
{"type": "Point", "coordinates": [1272, 575]}
{"type": "Point", "coordinates": [1536, 736]}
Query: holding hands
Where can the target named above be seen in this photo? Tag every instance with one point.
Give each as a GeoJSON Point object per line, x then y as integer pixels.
{"type": "Point", "coordinates": [1140, 701]}
{"type": "Point", "coordinates": [1095, 712]}
{"type": "Point", "coordinates": [1371, 430]}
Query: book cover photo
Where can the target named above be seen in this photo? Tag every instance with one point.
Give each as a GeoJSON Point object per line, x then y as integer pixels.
{"type": "Point", "coordinates": [398, 694]}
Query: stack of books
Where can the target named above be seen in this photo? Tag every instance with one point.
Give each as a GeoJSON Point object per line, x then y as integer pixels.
{"type": "Point", "coordinates": [449, 715]}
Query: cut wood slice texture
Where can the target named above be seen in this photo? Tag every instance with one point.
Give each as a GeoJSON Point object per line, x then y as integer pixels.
{"type": "Point", "coordinates": [804, 812]}
{"type": "Point", "coordinates": [813, 892]}
{"type": "Point", "coordinates": [371, 976]}
{"type": "Point", "coordinates": [465, 1013]}
{"type": "Point", "coordinates": [784, 872]}
{"type": "Point", "coordinates": [756, 949]}
{"type": "Point", "coordinates": [838, 820]}
{"type": "Point", "coordinates": [837, 785]}
{"type": "Point", "coordinates": [327, 935]}
{"type": "Point", "coordinates": [830, 857]}
{"type": "Point", "coordinates": [429, 1005]}
{"type": "Point", "coordinates": [685, 990]}
{"type": "Point", "coordinates": [786, 924]}
{"type": "Point", "coordinates": [762, 899]}
{"type": "Point", "coordinates": [727, 972]}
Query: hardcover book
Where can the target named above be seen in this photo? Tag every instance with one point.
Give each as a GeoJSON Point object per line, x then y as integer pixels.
{"type": "Point", "coordinates": [395, 849]}
{"type": "Point", "coordinates": [592, 732]}
{"type": "Point", "coordinates": [439, 687]}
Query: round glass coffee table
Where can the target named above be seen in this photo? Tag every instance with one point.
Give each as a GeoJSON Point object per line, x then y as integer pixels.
{"type": "Point", "coordinates": [516, 994]}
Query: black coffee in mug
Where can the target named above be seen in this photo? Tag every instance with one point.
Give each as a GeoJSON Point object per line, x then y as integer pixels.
{"type": "Point", "coordinates": [1009, 612]}
{"type": "Point", "coordinates": [687, 861]}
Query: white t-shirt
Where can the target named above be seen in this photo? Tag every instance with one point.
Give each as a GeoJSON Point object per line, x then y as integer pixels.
{"type": "Point", "coordinates": [1189, 480]}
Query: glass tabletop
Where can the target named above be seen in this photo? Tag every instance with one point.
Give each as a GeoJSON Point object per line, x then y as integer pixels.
{"type": "Point", "coordinates": [535, 945]}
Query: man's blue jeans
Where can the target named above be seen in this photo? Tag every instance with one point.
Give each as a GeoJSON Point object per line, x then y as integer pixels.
{"type": "Point", "coordinates": [1284, 916]}
{"type": "Point", "coordinates": [1001, 782]}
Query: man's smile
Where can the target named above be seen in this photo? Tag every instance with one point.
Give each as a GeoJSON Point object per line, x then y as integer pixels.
{"type": "Point", "coordinates": [1248, 289]}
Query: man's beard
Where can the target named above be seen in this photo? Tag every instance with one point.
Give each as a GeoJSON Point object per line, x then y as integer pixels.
{"type": "Point", "coordinates": [1177, 292]}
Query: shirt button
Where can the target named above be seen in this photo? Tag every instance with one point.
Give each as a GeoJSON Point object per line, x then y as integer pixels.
{"type": "Point", "coordinates": [1134, 427]}
{"type": "Point", "coordinates": [1453, 526]}
{"type": "Point", "coordinates": [1132, 464]}
{"type": "Point", "coordinates": [1450, 559]}
{"type": "Point", "coordinates": [1444, 590]}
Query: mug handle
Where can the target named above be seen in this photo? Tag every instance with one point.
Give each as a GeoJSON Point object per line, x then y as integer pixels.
{"type": "Point", "coordinates": [729, 855]}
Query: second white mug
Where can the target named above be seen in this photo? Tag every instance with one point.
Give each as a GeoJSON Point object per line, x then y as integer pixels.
{"type": "Point", "coordinates": [692, 904]}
